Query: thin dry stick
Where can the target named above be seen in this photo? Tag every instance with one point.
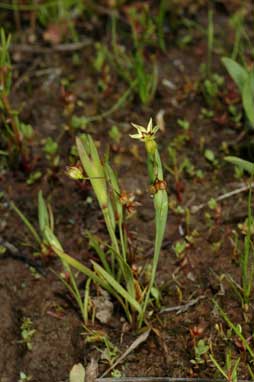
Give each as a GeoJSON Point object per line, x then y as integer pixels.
{"type": "Point", "coordinates": [26, 48]}
{"type": "Point", "coordinates": [182, 308]}
{"type": "Point", "coordinates": [142, 338]}
{"type": "Point", "coordinates": [227, 195]}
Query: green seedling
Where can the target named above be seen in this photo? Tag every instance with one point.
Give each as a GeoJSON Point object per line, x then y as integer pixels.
{"type": "Point", "coordinates": [229, 371]}
{"type": "Point", "coordinates": [115, 134]}
{"type": "Point", "coordinates": [50, 149]}
{"type": "Point", "coordinates": [46, 225]}
{"type": "Point", "coordinates": [244, 80]}
{"type": "Point", "coordinates": [237, 329]}
{"type": "Point", "coordinates": [201, 349]}
{"type": "Point", "coordinates": [15, 134]}
{"type": "Point", "coordinates": [34, 177]}
{"type": "Point", "coordinates": [210, 157]}
{"type": "Point", "coordinates": [110, 352]}
{"type": "Point", "coordinates": [23, 377]}
{"type": "Point", "coordinates": [180, 247]}
{"type": "Point", "coordinates": [116, 373]}
{"type": "Point", "coordinates": [178, 169]}
{"type": "Point", "coordinates": [27, 332]}
{"type": "Point", "coordinates": [212, 204]}
{"type": "Point", "coordinates": [236, 115]}
{"type": "Point", "coordinates": [184, 124]}
{"type": "Point", "coordinates": [211, 88]}
{"type": "Point", "coordinates": [134, 69]}
{"type": "Point", "coordinates": [79, 122]}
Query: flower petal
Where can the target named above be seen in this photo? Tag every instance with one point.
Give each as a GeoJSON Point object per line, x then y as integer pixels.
{"type": "Point", "coordinates": [149, 128]}
{"type": "Point", "coordinates": [136, 136]}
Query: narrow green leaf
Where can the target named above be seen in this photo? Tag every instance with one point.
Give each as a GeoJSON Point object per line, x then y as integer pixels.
{"type": "Point", "coordinates": [116, 286]}
{"type": "Point", "coordinates": [236, 71]}
{"type": "Point", "coordinates": [242, 163]}
{"type": "Point", "coordinates": [26, 222]}
{"type": "Point", "coordinates": [43, 216]}
{"type": "Point", "coordinates": [94, 242]}
{"type": "Point", "coordinates": [67, 259]}
{"type": "Point", "coordinates": [248, 100]}
{"type": "Point", "coordinates": [92, 165]}
{"type": "Point", "coordinates": [51, 238]}
{"type": "Point", "coordinates": [80, 267]}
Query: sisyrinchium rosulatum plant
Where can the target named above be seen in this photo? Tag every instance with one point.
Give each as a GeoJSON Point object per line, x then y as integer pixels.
{"type": "Point", "coordinates": [243, 77]}
{"type": "Point", "coordinates": [245, 289]}
{"type": "Point", "coordinates": [113, 270]}
{"type": "Point", "coordinates": [14, 133]}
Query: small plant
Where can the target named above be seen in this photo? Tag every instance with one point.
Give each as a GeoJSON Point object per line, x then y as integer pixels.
{"type": "Point", "coordinates": [201, 349]}
{"type": "Point", "coordinates": [15, 134]}
{"type": "Point", "coordinates": [46, 238]}
{"type": "Point", "coordinates": [211, 88]}
{"type": "Point", "coordinates": [134, 68]}
{"type": "Point", "coordinates": [50, 149]}
{"type": "Point", "coordinates": [242, 340]}
{"type": "Point", "coordinates": [23, 377]}
{"type": "Point", "coordinates": [110, 352]}
{"type": "Point", "coordinates": [244, 80]}
{"type": "Point", "coordinates": [210, 157]}
{"type": "Point", "coordinates": [27, 332]}
{"type": "Point", "coordinates": [229, 372]}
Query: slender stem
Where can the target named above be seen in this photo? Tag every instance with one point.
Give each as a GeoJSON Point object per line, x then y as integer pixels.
{"type": "Point", "coordinates": [210, 38]}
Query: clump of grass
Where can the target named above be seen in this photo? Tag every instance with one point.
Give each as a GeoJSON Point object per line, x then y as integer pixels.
{"type": "Point", "coordinates": [15, 134]}
{"type": "Point", "coordinates": [135, 66]}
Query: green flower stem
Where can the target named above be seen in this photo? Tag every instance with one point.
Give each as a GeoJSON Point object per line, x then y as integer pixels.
{"type": "Point", "coordinates": [155, 171]}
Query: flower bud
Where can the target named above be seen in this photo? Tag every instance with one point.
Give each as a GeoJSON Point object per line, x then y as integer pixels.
{"type": "Point", "coordinates": [74, 172]}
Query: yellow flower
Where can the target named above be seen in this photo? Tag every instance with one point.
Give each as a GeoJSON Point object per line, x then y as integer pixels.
{"type": "Point", "coordinates": [145, 134]}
